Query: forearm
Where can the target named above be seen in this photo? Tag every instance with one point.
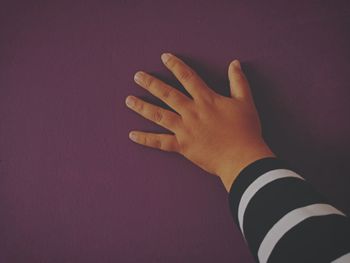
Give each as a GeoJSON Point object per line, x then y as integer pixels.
{"type": "Point", "coordinates": [283, 219]}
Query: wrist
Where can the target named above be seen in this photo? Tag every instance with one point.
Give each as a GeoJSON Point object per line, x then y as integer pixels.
{"type": "Point", "coordinates": [234, 163]}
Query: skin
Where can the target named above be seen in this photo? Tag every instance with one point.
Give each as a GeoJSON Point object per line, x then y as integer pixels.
{"type": "Point", "coordinates": [220, 134]}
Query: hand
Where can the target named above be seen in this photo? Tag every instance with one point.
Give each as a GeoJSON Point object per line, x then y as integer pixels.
{"type": "Point", "coordinates": [220, 134]}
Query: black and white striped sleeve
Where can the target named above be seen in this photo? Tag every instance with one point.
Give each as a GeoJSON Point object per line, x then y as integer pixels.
{"type": "Point", "coordinates": [284, 219]}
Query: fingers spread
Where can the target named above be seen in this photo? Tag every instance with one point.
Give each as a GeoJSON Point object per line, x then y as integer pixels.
{"type": "Point", "coordinates": [162, 117]}
{"type": "Point", "coordinates": [165, 142]}
{"type": "Point", "coordinates": [239, 85]}
{"type": "Point", "coordinates": [174, 98]}
{"type": "Point", "coordinates": [187, 77]}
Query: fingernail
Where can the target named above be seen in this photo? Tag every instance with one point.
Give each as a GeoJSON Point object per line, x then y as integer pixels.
{"type": "Point", "coordinates": [130, 101]}
{"type": "Point", "coordinates": [237, 64]}
{"type": "Point", "coordinates": [165, 57]}
{"type": "Point", "coordinates": [138, 76]}
{"type": "Point", "coordinates": [132, 136]}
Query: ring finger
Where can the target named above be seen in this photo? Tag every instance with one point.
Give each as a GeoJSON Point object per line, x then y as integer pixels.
{"type": "Point", "coordinates": [160, 116]}
{"type": "Point", "coordinates": [174, 98]}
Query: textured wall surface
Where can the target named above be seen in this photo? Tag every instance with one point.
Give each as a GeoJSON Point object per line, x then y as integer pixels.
{"type": "Point", "coordinates": [74, 188]}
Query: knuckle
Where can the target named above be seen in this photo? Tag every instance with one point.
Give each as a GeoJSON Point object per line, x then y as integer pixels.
{"type": "Point", "coordinates": [210, 99]}
{"type": "Point", "coordinates": [149, 82]}
{"type": "Point", "coordinates": [144, 140]}
{"type": "Point", "coordinates": [186, 75]}
{"type": "Point", "coordinates": [139, 106]}
{"type": "Point", "coordinates": [185, 103]}
{"type": "Point", "coordinates": [157, 116]}
{"type": "Point", "coordinates": [166, 93]}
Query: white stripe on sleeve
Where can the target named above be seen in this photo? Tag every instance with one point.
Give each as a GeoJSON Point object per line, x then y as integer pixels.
{"type": "Point", "coordinates": [289, 221]}
{"type": "Point", "coordinates": [256, 185]}
{"type": "Point", "coordinates": [343, 259]}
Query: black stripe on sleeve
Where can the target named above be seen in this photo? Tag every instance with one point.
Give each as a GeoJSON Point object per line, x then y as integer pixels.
{"type": "Point", "coordinates": [247, 176]}
{"type": "Point", "coordinates": [272, 202]}
{"type": "Point", "coordinates": [316, 239]}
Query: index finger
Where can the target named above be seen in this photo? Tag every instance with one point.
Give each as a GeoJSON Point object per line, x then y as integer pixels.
{"type": "Point", "coordinates": [174, 98]}
{"type": "Point", "coordinates": [197, 88]}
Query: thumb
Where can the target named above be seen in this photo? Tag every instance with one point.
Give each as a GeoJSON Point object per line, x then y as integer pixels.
{"type": "Point", "coordinates": [239, 86]}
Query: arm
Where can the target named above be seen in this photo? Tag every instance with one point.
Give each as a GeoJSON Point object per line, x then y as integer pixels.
{"type": "Point", "coordinates": [223, 136]}
{"type": "Point", "coordinates": [283, 219]}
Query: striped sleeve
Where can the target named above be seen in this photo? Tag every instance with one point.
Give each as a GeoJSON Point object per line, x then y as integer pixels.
{"type": "Point", "coordinates": [284, 219]}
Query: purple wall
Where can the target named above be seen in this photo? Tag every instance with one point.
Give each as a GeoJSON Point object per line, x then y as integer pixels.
{"type": "Point", "coordinates": [74, 188]}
